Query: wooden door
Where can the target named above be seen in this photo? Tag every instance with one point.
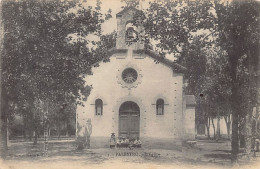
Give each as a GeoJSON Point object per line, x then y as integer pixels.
{"type": "Point", "coordinates": [129, 120]}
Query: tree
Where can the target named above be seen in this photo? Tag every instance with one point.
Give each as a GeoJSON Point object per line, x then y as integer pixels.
{"type": "Point", "coordinates": [3, 122]}
{"type": "Point", "coordinates": [42, 63]}
{"type": "Point", "coordinates": [218, 83]}
{"type": "Point", "coordinates": [175, 25]}
{"type": "Point", "coordinates": [183, 28]}
{"type": "Point", "coordinates": [237, 22]}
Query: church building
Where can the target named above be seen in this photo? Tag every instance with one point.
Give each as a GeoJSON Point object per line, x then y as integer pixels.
{"type": "Point", "coordinates": [138, 93]}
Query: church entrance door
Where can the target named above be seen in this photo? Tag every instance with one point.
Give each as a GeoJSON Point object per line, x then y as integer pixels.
{"type": "Point", "coordinates": [129, 120]}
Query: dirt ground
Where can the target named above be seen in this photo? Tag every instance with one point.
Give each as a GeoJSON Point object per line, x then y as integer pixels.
{"type": "Point", "coordinates": [62, 154]}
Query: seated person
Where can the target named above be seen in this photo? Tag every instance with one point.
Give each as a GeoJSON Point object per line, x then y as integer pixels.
{"type": "Point", "coordinates": [127, 141]}
{"type": "Point", "coordinates": [119, 142]}
{"type": "Point", "coordinates": [123, 142]}
{"type": "Point", "coordinates": [137, 143]}
{"type": "Point", "coordinates": [112, 140]}
{"type": "Point", "coordinates": [131, 144]}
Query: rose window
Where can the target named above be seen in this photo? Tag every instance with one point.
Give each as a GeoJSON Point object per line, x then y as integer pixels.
{"type": "Point", "coordinates": [129, 75]}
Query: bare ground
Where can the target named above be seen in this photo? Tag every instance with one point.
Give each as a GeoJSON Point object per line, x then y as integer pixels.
{"type": "Point", "coordinates": [63, 154]}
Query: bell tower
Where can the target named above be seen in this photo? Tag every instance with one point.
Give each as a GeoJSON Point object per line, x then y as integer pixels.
{"type": "Point", "coordinates": [130, 29]}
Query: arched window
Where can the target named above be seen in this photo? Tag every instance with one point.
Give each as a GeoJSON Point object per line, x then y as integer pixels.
{"type": "Point", "coordinates": [99, 107]}
{"type": "Point", "coordinates": [160, 107]}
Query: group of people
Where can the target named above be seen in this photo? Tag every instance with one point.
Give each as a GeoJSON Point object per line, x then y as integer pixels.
{"type": "Point", "coordinates": [124, 142]}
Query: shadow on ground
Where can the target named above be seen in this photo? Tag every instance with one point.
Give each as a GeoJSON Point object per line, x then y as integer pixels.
{"type": "Point", "coordinates": [218, 156]}
{"type": "Point", "coordinates": [206, 152]}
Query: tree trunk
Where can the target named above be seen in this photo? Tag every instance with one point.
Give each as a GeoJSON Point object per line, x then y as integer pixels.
{"type": "Point", "coordinates": [8, 133]}
{"type": "Point", "coordinates": [241, 140]}
{"type": "Point", "coordinates": [249, 116]}
{"type": "Point", "coordinates": [49, 131]}
{"type": "Point", "coordinates": [67, 128]}
{"type": "Point", "coordinates": [248, 134]}
{"type": "Point", "coordinates": [218, 128]}
{"type": "Point", "coordinates": [228, 124]}
{"type": "Point", "coordinates": [30, 134]}
{"type": "Point", "coordinates": [35, 138]}
{"type": "Point", "coordinates": [24, 135]}
{"type": "Point", "coordinates": [258, 91]}
{"type": "Point", "coordinates": [257, 98]}
{"type": "Point", "coordinates": [234, 140]}
{"type": "Point", "coordinates": [208, 127]}
{"type": "Point", "coordinates": [213, 125]}
{"type": "Point", "coordinates": [24, 129]}
{"type": "Point", "coordinates": [3, 114]}
{"type": "Point", "coordinates": [234, 106]}
{"type": "Point", "coordinates": [59, 128]}
{"type": "Point", "coordinates": [228, 130]}
{"type": "Point", "coordinates": [35, 125]}
{"type": "Point", "coordinates": [3, 133]}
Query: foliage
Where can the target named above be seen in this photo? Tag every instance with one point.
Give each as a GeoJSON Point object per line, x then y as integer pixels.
{"type": "Point", "coordinates": [186, 30]}
{"type": "Point", "coordinates": [106, 43]}
{"type": "Point", "coordinates": [218, 43]}
{"type": "Point", "coordinates": [173, 24]}
{"type": "Point", "coordinates": [41, 62]}
{"type": "Point", "coordinates": [239, 37]}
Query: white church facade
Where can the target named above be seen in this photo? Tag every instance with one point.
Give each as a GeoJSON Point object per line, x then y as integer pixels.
{"type": "Point", "coordinates": [138, 93]}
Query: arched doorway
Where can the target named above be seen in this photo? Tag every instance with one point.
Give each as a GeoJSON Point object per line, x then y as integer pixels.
{"type": "Point", "coordinates": [129, 120]}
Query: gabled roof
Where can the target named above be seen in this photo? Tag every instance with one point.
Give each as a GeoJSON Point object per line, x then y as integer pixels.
{"type": "Point", "coordinates": [119, 14]}
{"type": "Point", "coordinates": [177, 68]}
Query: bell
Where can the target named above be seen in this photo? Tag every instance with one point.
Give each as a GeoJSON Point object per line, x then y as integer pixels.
{"type": "Point", "coordinates": [130, 34]}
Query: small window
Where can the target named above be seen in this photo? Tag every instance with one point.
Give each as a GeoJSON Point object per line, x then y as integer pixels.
{"type": "Point", "coordinates": [99, 107]}
{"type": "Point", "coordinates": [160, 107]}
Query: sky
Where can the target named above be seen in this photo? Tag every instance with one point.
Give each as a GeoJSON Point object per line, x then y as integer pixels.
{"type": "Point", "coordinates": [111, 25]}
{"type": "Point", "coordinates": [116, 6]}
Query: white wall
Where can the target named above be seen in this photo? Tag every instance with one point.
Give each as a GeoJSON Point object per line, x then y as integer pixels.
{"type": "Point", "coordinates": [190, 123]}
{"type": "Point", "coordinates": [157, 81]}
